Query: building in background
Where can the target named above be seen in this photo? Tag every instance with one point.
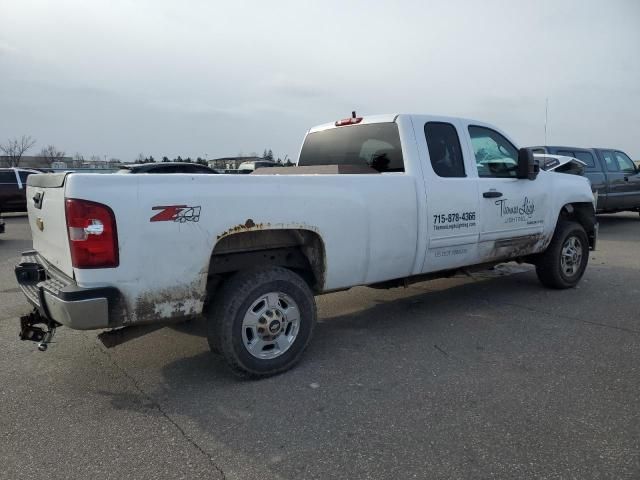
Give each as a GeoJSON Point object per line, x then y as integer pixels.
{"type": "Point", "coordinates": [230, 163]}
{"type": "Point", "coordinates": [30, 161]}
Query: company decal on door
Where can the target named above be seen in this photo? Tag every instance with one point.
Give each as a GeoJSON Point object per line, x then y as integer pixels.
{"type": "Point", "coordinates": [517, 212]}
{"type": "Point", "coordinates": [454, 220]}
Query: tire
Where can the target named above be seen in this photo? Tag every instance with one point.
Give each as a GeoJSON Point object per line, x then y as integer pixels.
{"type": "Point", "coordinates": [564, 261]}
{"type": "Point", "coordinates": [261, 321]}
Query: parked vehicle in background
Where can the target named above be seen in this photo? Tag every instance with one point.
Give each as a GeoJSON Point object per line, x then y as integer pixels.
{"type": "Point", "coordinates": [249, 167]}
{"type": "Point", "coordinates": [166, 167]}
{"type": "Point", "coordinates": [560, 163]}
{"type": "Point", "coordinates": [13, 189]}
{"type": "Point", "coordinates": [614, 177]}
{"type": "Point", "coordinates": [1, 225]}
{"type": "Point", "coordinates": [381, 201]}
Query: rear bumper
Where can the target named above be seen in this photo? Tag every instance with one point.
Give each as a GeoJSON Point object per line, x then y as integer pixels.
{"type": "Point", "coordinates": [58, 298]}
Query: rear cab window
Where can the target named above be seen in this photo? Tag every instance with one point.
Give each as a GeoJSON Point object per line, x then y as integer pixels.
{"type": "Point", "coordinates": [587, 157]}
{"type": "Point", "coordinates": [376, 145]}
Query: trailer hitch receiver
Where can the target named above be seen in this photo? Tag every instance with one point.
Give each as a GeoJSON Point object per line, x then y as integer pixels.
{"type": "Point", "coordinates": [36, 328]}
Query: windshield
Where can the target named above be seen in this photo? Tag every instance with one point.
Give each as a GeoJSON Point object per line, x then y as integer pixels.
{"type": "Point", "coordinates": [376, 145]}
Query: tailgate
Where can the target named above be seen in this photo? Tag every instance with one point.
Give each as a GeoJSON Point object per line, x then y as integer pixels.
{"type": "Point", "coordinates": [45, 204]}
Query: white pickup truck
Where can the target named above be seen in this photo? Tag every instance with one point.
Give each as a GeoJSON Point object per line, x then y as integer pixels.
{"type": "Point", "coordinates": [379, 201]}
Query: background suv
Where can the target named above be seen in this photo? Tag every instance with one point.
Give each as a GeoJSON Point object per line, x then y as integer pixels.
{"type": "Point", "coordinates": [13, 189]}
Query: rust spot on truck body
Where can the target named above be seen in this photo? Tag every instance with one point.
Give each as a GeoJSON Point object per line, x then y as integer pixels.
{"type": "Point", "coordinates": [247, 226]}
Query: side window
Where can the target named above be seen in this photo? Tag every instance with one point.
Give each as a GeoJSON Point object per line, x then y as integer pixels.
{"type": "Point", "coordinates": [586, 157]}
{"type": "Point", "coordinates": [8, 177]}
{"type": "Point", "coordinates": [609, 161]}
{"type": "Point", "coordinates": [496, 157]}
{"type": "Point", "coordinates": [625, 163]}
{"type": "Point", "coordinates": [23, 177]}
{"type": "Point", "coordinates": [444, 149]}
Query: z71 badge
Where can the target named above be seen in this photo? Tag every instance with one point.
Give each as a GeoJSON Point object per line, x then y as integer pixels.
{"type": "Point", "coordinates": [176, 213]}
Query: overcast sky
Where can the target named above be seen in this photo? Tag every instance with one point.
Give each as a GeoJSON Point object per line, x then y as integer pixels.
{"type": "Point", "coordinates": [216, 78]}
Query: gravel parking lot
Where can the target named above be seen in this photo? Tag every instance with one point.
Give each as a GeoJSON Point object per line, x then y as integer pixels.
{"type": "Point", "coordinates": [490, 376]}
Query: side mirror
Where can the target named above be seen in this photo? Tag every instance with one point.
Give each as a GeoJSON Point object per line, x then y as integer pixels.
{"type": "Point", "coordinates": [527, 166]}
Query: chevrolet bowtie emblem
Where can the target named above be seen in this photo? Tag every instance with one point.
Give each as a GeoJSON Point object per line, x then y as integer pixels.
{"type": "Point", "coordinates": [40, 224]}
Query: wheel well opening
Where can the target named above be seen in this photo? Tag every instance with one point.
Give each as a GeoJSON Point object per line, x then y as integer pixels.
{"type": "Point", "coordinates": [584, 214]}
{"type": "Point", "coordinates": [299, 250]}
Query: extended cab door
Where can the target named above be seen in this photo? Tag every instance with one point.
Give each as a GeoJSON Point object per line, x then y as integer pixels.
{"type": "Point", "coordinates": [451, 195]}
{"type": "Point", "coordinates": [512, 210]}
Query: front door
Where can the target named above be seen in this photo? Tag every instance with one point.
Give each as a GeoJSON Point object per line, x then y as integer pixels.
{"type": "Point", "coordinates": [617, 187]}
{"type": "Point", "coordinates": [631, 178]}
{"type": "Point", "coordinates": [512, 210]}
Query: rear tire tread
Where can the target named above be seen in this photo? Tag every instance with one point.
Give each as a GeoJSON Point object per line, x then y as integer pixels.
{"type": "Point", "coordinates": [228, 302]}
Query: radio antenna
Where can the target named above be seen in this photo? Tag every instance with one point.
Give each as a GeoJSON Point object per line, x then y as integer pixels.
{"type": "Point", "coordinates": [546, 119]}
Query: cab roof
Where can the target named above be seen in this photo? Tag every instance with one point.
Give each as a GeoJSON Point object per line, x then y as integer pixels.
{"type": "Point", "coordinates": [392, 117]}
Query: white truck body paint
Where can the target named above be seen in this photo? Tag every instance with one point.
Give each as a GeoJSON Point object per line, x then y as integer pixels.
{"type": "Point", "coordinates": [373, 227]}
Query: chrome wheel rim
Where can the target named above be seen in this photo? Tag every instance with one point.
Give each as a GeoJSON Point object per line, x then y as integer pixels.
{"type": "Point", "coordinates": [270, 325]}
{"type": "Point", "coordinates": [571, 256]}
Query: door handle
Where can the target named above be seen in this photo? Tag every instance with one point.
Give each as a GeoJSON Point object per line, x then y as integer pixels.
{"type": "Point", "coordinates": [492, 194]}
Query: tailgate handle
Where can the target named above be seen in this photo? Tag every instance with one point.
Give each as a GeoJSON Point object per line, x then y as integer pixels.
{"type": "Point", "coordinates": [492, 194]}
{"type": "Point", "coordinates": [37, 200]}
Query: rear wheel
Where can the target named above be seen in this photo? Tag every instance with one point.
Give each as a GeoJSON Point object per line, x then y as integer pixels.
{"type": "Point", "coordinates": [261, 321]}
{"type": "Point", "coordinates": [565, 260]}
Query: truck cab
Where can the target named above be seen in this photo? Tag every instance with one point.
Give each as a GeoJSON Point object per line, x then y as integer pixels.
{"type": "Point", "coordinates": [479, 196]}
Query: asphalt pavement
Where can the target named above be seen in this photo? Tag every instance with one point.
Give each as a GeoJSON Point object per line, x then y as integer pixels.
{"type": "Point", "coordinates": [490, 376]}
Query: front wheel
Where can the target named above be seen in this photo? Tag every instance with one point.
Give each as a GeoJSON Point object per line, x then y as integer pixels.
{"type": "Point", "coordinates": [564, 261]}
{"type": "Point", "coordinates": [261, 321]}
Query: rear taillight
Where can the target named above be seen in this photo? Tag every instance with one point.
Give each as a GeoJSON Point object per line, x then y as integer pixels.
{"type": "Point", "coordinates": [93, 238]}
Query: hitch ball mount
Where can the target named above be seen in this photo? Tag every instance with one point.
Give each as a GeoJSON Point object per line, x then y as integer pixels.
{"type": "Point", "coordinates": [36, 328]}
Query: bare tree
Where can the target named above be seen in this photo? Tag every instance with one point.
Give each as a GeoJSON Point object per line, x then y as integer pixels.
{"type": "Point", "coordinates": [51, 154]}
{"type": "Point", "coordinates": [15, 148]}
{"type": "Point", "coordinates": [78, 160]}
